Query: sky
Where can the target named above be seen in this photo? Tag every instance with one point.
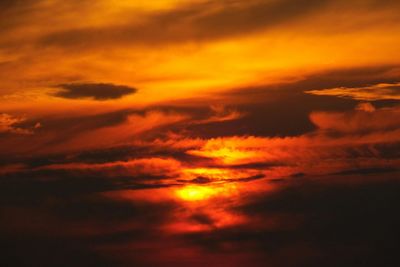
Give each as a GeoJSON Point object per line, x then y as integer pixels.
{"type": "Point", "coordinates": [259, 133]}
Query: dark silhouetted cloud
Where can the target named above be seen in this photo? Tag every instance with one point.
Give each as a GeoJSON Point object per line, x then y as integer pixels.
{"type": "Point", "coordinates": [366, 171]}
{"type": "Point", "coordinates": [96, 91]}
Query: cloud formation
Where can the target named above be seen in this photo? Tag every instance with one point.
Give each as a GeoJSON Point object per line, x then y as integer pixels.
{"type": "Point", "coordinates": [382, 91]}
{"type": "Point", "coordinates": [13, 124]}
{"type": "Point", "coordinates": [96, 91]}
{"type": "Point", "coordinates": [363, 120]}
{"type": "Point", "coordinates": [204, 21]}
{"type": "Point", "coordinates": [263, 133]}
{"type": "Point", "coordinates": [235, 199]}
{"type": "Point", "coordinates": [201, 20]}
{"type": "Point", "coordinates": [346, 222]}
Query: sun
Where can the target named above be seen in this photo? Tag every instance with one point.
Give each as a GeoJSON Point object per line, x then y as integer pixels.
{"type": "Point", "coordinates": [205, 192]}
{"type": "Point", "coordinates": [196, 193]}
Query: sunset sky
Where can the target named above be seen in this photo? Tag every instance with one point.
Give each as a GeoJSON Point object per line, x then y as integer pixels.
{"type": "Point", "coordinates": [225, 133]}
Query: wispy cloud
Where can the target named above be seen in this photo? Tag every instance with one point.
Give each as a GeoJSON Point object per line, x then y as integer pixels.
{"type": "Point", "coordinates": [12, 124]}
{"type": "Point", "coordinates": [383, 91]}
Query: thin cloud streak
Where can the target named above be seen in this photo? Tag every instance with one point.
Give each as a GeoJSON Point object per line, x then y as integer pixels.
{"type": "Point", "coordinates": [383, 91]}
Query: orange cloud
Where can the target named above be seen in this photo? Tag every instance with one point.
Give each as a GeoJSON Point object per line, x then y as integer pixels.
{"type": "Point", "coordinates": [384, 91]}
{"type": "Point", "coordinates": [151, 167]}
{"type": "Point", "coordinates": [361, 133]}
{"type": "Point", "coordinates": [121, 133]}
{"type": "Point", "coordinates": [221, 113]}
{"type": "Point", "coordinates": [9, 124]}
{"type": "Point", "coordinates": [364, 119]}
{"type": "Point", "coordinates": [220, 158]}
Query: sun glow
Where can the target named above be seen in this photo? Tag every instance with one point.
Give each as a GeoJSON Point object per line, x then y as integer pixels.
{"type": "Point", "coordinates": [228, 155]}
{"type": "Point", "coordinates": [196, 193]}
{"type": "Point", "coordinates": [201, 193]}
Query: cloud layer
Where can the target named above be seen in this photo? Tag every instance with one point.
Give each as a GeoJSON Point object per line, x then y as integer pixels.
{"type": "Point", "coordinates": [264, 133]}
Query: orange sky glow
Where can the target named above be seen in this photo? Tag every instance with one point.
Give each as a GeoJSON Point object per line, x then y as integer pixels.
{"type": "Point", "coordinates": [257, 133]}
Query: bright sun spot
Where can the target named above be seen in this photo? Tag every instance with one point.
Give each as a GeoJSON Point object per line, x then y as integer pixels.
{"type": "Point", "coordinates": [226, 154]}
{"type": "Point", "coordinates": [198, 193]}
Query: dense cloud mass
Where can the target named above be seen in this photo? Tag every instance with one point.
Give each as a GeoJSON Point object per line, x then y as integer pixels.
{"type": "Point", "coordinates": [314, 193]}
{"type": "Point", "coordinates": [97, 91]}
{"type": "Point", "coordinates": [262, 135]}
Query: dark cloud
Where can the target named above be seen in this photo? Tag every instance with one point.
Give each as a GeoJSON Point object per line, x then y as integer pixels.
{"type": "Point", "coordinates": [29, 187]}
{"type": "Point", "coordinates": [252, 178]}
{"type": "Point", "coordinates": [72, 126]}
{"type": "Point", "coordinates": [202, 218]}
{"type": "Point", "coordinates": [266, 116]}
{"type": "Point", "coordinates": [333, 221]}
{"type": "Point", "coordinates": [96, 91]}
{"type": "Point", "coordinates": [97, 208]}
{"type": "Point", "coordinates": [5, 4]}
{"type": "Point", "coordinates": [198, 180]}
{"type": "Point", "coordinates": [257, 165]}
{"type": "Point", "coordinates": [206, 180]}
{"type": "Point", "coordinates": [201, 21]}
{"type": "Point", "coordinates": [198, 21]}
{"type": "Point", "coordinates": [103, 155]}
{"type": "Point", "coordinates": [332, 78]}
{"type": "Point", "coordinates": [15, 9]}
{"type": "Point", "coordinates": [27, 251]}
{"type": "Point", "coordinates": [57, 226]}
{"type": "Point", "coordinates": [75, 125]}
{"type": "Point", "coordinates": [366, 171]}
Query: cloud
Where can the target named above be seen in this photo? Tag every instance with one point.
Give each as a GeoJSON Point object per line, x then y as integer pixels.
{"type": "Point", "coordinates": [345, 220]}
{"type": "Point", "coordinates": [249, 132]}
{"type": "Point", "coordinates": [263, 111]}
{"type": "Point", "coordinates": [221, 114]}
{"type": "Point", "coordinates": [341, 141]}
{"type": "Point", "coordinates": [202, 20]}
{"type": "Point", "coordinates": [32, 187]}
{"type": "Point", "coordinates": [92, 132]}
{"type": "Point", "coordinates": [367, 171]}
{"type": "Point", "coordinates": [366, 118]}
{"type": "Point", "coordinates": [89, 222]}
{"type": "Point", "coordinates": [10, 124]}
{"type": "Point", "coordinates": [139, 169]}
{"type": "Point", "coordinates": [96, 91]}
{"type": "Point", "coordinates": [381, 91]}
{"type": "Point", "coordinates": [134, 125]}
{"type": "Point", "coordinates": [367, 107]}
{"type": "Point", "coordinates": [101, 204]}
{"type": "Point", "coordinates": [261, 174]}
